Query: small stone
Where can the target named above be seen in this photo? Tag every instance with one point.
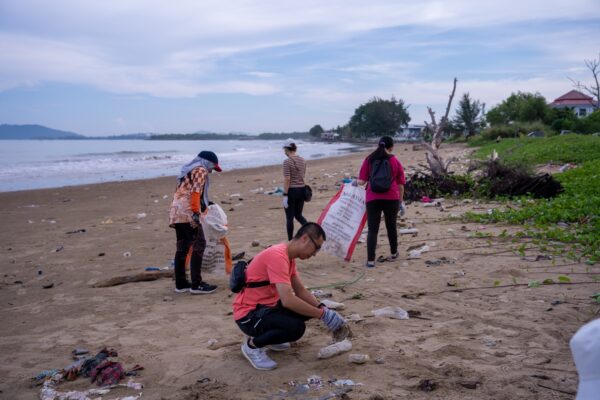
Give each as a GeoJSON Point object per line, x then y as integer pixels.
{"type": "Point", "coordinates": [469, 384]}
{"type": "Point", "coordinates": [380, 360]}
{"type": "Point", "coordinates": [255, 243]}
{"type": "Point", "coordinates": [167, 298]}
{"type": "Point", "coordinates": [48, 285]}
{"type": "Point", "coordinates": [101, 254]}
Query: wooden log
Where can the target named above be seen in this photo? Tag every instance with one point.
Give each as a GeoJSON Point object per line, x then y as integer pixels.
{"type": "Point", "coordinates": [143, 277]}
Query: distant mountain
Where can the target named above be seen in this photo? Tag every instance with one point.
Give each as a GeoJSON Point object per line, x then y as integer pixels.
{"type": "Point", "coordinates": [34, 132]}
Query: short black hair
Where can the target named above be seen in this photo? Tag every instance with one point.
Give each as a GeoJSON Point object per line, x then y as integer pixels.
{"type": "Point", "coordinates": [313, 229]}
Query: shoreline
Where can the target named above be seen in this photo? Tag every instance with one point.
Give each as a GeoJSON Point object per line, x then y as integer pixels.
{"type": "Point", "coordinates": [343, 152]}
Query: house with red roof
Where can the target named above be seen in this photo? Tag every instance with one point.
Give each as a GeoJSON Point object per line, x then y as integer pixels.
{"type": "Point", "coordinates": [581, 104]}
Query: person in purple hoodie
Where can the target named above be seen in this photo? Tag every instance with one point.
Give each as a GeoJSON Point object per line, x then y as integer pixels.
{"type": "Point", "coordinates": [384, 176]}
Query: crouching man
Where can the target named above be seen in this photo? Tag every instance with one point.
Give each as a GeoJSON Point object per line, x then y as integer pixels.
{"type": "Point", "coordinates": [274, 314]}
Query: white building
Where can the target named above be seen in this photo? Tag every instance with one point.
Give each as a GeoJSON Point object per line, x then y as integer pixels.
{"type": "Point", "coordinates": [581, 104]}
{"type": "Point", "coordinates": [410, 132]}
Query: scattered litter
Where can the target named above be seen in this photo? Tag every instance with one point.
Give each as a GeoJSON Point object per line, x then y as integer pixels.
{"type": "Point", "coordinates": [334, 305]}
{"type": "Point", "coordinates": [259, 190]}
{"type": "Point", "coordinates": [107, 221]}
{"type": "Point", "coordinates": [167, 298]}
{"type": "Point", "coordinates": [320, 293]}
{"type": "Point", "coordinates": [425, 199]}
{"type": "Point", "coordinates": [439, 261]}
{"type": "Point", "coordinates": [341, 334]}
{"type": "Point", "coordinates": [562, 224]}
{"type": "Point", "coordinates": [391, 312]}
{"type": "Point", "coordinates": [165, 196]}
{"type": "Point", "coordinates": [234, 195]}
{"type": "Point", "coordinates": [416, 253]}
{"type": "Point", "coordinates": [335, 349]}
{"type": "Point", "coordinates": [156, 201]}
{"type": "Point", "coordinates": [459, 273]}
{"type": "Point", "coordinates": [78, 351]}
{"type": "Point", "coordinates": [345, 382]}
{"type": "Point", "coordinates": [358, 358]}
{"type": "Point", "coordinates": [405, 264]}
{"type": "Point", "coordinates": [408, 231]}
{"type": "Point", "coordinates": [315, 380]}
{"type": "Point", "coordinates": [489, 342]}
{"type": "Point", "coordinates": [354, 318]}
{"type": "Point", "coordinates": [127, 254]}
{"type": "Point", "coordinates": [427, 385]}
{"type": "Point", "coordinates": [30, 221]}
{"type": "Point", "coordinates": [56, 250]}
{"type": "Point", "coordinates": [469, 384]}
{"type": "Point", "coordinates": [211, 343]}
{"type": "Point", "coordinates": [152, 269]}
{"type": "Point", "coordinates": [30, 206]}
{"type": "Point", "coordinates": [101, 254]}
{"type": "Point", "coordinates": [76, 231]}
{"type": "Point", "coordinates": [255, 243]}
{"type": "Point", "coordinates": [362, 238]}
{"type": "Point", "coordinates": [48, 285]}
{"type": "Point", "coordinates": [141, 215]}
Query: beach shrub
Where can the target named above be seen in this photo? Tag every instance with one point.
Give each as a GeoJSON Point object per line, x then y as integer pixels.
{"type": "Point", "coordinates": [572, 218]}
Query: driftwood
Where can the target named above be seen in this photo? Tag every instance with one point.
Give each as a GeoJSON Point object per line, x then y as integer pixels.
{"type": "Point", "coordinates": [145, 276]}
{"type": "Point", "coordinates": [436, 163]}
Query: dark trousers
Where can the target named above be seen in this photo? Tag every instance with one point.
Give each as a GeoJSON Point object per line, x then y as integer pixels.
{"type": "Point", "coordinates": [390, 212]}
{"type": "Point", "coordinates": [187, 237]}
{"type": "Point", "coordinates": [294, 210]}
{"type": "Point", "coordinates": [272, 325]}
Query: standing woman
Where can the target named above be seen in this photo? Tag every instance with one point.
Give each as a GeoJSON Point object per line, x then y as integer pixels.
{"type": "Point", "coordinates": [385, 193]}
{"type": "Point", "coordinates": [190, 198]}
{"type": "Point", "coordinates": [294, 169]}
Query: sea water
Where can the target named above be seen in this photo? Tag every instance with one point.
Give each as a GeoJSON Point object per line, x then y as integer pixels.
{"type": "Point", "coordinates": [35, 164]}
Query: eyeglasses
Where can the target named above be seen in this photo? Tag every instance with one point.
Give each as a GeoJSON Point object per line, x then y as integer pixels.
{"type": "Point", "coordinates": [317, 247]}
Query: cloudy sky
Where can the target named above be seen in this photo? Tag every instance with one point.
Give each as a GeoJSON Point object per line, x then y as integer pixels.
{"type": "Point", "coordinates": [101, 67]}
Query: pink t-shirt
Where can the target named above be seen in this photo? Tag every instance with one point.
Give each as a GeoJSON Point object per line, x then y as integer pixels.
{"type": "Point", "coordinates": [273, 265]}
{"type": "Point", "coordinates": [397, 179]}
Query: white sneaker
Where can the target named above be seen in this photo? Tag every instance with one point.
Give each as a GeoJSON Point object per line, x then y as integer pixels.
{"type": "Point", "coordinates": [278, 347]}
{"type": "Point", "coordinates": [258, 357]}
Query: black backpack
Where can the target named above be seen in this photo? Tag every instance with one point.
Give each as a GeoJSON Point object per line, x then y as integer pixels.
{"type": "Point", "coordinates": [380, 178]}
{"type": "Point", "coordinates": [237, 280]}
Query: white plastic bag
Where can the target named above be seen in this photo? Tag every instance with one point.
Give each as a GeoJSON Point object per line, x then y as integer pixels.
{"type": "Point", "coordinates": [214, 222]}
{"type": "Point", "coordinates": [343, 220]}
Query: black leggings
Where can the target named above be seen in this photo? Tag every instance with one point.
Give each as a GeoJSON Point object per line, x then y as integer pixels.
{"type": "Point", "coordinates": [294, 210]}
{"type": "Point", "coordinates": [272, 325]}
{"type": "Point", "coordinates": [390, 212]}
{"type": "Point", "coordinates": [186, 237]}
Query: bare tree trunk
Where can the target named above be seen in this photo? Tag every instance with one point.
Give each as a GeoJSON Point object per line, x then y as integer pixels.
{"type": "Point", "coordinates": [594, 89]}
{"type": "Point", "coordinates": [436, 163]}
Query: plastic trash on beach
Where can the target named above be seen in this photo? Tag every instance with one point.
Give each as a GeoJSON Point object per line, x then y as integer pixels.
{"type": "Point", "coordinates": [408, 231]}
{"type": "Point", "coordinates": [334, 305]}
{"type": "Point", "coordinates": [391, 312]}
{"type": "Point", "coordinates": [416, 253]}
{"type": "Point", "coordinates": [140, 215]}
{"type": "Point", "coordinates": [358, 358]}
{"type": "Point", "coordinates": [335, 349]}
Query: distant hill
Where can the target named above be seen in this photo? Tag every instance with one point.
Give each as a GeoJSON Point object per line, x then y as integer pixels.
{"type": "Point", "coordinates": [34, 132]}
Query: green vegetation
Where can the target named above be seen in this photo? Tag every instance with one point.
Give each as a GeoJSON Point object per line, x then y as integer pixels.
{"type": "Point", "coordinates": [573, 217]}
{"type": "Point", "coordinates": [555, 149]}
{"type": "Point", "coordinates": [379, 117]}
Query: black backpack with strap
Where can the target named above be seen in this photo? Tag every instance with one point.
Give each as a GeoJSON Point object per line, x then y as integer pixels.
{"type": "Point", "coordinates": [380, 178]}
{"type": "Point", "coordinates": [237, 280]}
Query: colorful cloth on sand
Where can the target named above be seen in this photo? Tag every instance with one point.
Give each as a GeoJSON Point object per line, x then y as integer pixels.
{"type": "Point", "coordinates": [107, 373]}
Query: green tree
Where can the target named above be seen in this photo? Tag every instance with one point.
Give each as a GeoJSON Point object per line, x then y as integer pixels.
{"type": "Point", "coordinates": [316, 131]}
{"type": "Point", "coordinates": [379, 117]}
{"type": "Point", "coordinates": [469, 116]}
{"type": "Point", "coordinates": [519, 107]}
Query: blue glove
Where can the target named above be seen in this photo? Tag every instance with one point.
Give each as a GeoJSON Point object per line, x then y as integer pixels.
{"type": "Point", "coordinates": [285, 202]}
{"type": "Point", "coordinates": [332, 320]}
{"type": "Point", "coordinates": [402, 208]}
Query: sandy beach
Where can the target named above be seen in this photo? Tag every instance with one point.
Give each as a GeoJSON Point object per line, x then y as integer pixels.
{"type": "Point", "coordinates": [470, 342]}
